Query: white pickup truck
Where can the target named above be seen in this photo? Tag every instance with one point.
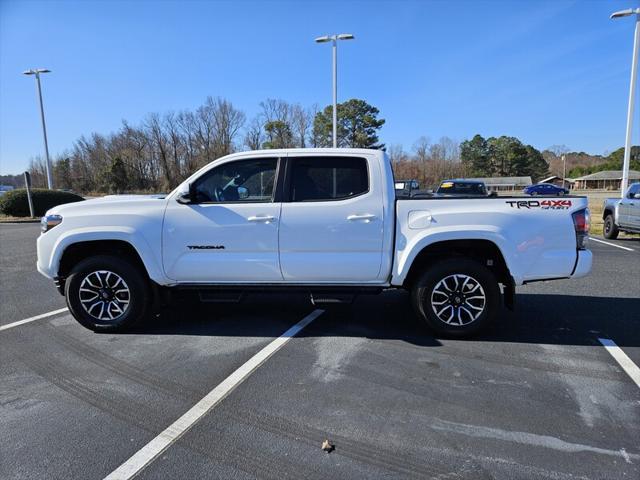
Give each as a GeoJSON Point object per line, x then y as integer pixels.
{"type": "Point", "coordinates": [322, 221]}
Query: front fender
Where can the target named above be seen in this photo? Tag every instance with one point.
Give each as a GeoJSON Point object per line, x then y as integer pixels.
{"type": "Point", "coordinates": [127, 234]}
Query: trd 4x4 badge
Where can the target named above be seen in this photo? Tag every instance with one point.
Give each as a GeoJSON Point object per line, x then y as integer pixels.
{"type": "Point", "coordinates": [542, 204]}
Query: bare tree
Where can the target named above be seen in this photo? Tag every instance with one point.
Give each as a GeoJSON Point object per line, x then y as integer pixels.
{"type": "Point", "coordinates": [254, 136]}
{"type": "Point", "coordinates": [301, 123]}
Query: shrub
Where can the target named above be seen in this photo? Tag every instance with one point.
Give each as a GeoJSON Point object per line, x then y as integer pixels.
{"type": "Point", "coordinates": [15, 204]}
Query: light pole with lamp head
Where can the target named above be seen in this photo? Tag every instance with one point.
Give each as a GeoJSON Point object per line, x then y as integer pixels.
{"type": "Point", "coordinates": [632, 92]}
{"type": "Point", "coordinates": [334, 39]}
{"type": "Point", "coordinates": [37, 72]}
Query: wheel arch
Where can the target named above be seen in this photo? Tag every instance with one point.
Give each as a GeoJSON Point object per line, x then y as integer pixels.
{"type": "Point", "coordinates": [78, 251]}
{"type": "Point", "coordinates": [608, 211]}
{"type": "Point", "coordinates": [485, 252]}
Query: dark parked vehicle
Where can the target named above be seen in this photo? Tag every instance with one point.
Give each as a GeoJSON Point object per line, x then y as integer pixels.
{"type": "Point", "coordinates": [545, 189]}
{"type": "Point", "coordinates": [405, 188]}
{"type": "Point", "coordinates": [463, 187]}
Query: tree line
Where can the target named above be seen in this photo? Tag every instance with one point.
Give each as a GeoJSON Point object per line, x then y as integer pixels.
{"type": "Point", "coordinates": [165, 149]}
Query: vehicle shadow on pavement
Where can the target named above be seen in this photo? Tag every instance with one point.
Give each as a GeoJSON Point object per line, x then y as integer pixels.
{"type": "Point", "coordinates": [538, 319]}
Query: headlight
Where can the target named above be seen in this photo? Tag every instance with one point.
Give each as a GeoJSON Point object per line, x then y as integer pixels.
{"type": "Point", "coordinates": [49, 221]}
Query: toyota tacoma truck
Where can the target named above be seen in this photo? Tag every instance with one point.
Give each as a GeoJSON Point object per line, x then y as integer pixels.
{"type": "Point", "coordinates": [322, 221]}
{"type": "Point", "coordinates": [622, 214]}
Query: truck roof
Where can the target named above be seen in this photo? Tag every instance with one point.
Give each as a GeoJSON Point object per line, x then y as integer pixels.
{"type": "Point", "coordinates": [319, 151]}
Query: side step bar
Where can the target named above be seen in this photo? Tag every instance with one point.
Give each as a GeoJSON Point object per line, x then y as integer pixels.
{"type": "Point", "coordinates": [329, 298]}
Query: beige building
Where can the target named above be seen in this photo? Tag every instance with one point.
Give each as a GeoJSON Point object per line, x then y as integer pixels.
{"type": "Point", "coordinates": [504, 184]}
{"type": "Point", "coordinates": [605, 180]}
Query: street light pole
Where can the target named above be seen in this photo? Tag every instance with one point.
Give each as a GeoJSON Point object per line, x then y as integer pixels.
{"type": "Point", "coordinates": [37, 73]}
{"type": "Point", "coordinates": [335, 93]}
{"type": "Point", "coordinates": [632, 92]}
{"type": "Point", "coordinates": [564, 171]}
{"type": "Point", "coordinates": [334, 39]}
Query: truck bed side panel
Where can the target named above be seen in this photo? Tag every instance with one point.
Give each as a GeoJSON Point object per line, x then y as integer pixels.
{"type": "Point", "coordinates": [536, 236]}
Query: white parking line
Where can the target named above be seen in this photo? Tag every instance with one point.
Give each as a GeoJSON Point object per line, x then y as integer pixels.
{"type": "Point", "coordinates": [612, 244]}
{"type": "Point", "coordinates": [32, 319]}
{"type": "Point", "coordinates": [623, 360]}
{"type": "Point", "coordinates": [173, 432]}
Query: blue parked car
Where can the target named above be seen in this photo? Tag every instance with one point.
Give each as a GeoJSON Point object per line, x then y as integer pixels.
{"type": "Point", "coordinates": [545, 189]}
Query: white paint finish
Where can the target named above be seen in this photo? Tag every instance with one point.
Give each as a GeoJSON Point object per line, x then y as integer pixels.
{"type": "Point", "coordinates": [623, 360]}
{"type": "Point", "coordinates": [250, 248]}
{"type": "Point", "coordinates": [173, 432]}
{"type": "Point", "coordinates": [135, 219]}
{"type": "Point", "coordinates": [32, 319]}
{"type": "Point", "coordinates": [584, 264]}
{"type": "Point", "coordinates": [591, 239]}
{"type": "Point", "coordinates": [536, 243]}
{"type": "Point", "coordinates": [338, 240]}
{"type": "Point", "coordinates": [419, 219]}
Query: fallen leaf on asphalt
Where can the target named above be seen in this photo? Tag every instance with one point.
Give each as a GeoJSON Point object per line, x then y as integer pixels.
{"type": "Point", "coordinates": [327, 446]}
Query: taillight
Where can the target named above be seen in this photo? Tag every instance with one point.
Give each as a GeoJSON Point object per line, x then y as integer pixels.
{"type": "Point", "coordinates": [582, 223]}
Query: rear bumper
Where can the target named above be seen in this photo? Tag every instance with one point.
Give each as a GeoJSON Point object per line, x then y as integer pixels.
{"type": "Point", "coordinates": [583, 264]}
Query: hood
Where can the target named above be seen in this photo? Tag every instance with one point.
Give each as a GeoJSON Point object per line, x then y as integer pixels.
{"type": "Point", "coordinates": [108, 201]}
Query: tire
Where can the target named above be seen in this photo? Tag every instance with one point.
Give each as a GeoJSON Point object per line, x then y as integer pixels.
{"type": "Point", "coordinates": [561, 194]}
{"type": "Point", "coordinates": [533, 194]}
{"type": "Point", "coordinates": [610, 230]}
{"type": "Point", "coordinates": [117, 284]}
{"type": "Point", "coordinates": [445, 275]}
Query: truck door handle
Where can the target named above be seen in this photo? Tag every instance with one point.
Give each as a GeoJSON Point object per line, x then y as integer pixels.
{"type": "Point", "coordinates": [261, 218]}
{"type": "Point", "coordinates": [365, 216]}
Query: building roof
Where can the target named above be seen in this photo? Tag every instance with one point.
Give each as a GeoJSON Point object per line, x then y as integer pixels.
{"type": "Point", "coordinates": [610, 175]}
{"type": "Point", "coordinates": [504, 180]}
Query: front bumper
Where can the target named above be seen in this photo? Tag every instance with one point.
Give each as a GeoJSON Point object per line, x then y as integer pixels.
{"type": "Point", "coordinates": [583, 264]}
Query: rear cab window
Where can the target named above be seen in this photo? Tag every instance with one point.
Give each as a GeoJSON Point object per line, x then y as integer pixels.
{"type": "Point", "coordinates": [317, 179]}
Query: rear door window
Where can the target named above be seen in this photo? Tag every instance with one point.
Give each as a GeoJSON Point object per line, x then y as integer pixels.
{"type": "Point", "coordinates": [315, 179]}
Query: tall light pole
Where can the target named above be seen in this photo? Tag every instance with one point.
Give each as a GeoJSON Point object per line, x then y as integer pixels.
{"type": "Point", "coordinates": [37, 73]}
{"type": "Point", "coordinates": [334, 39]}
{"type": "Point", "coordinates": [564, 170]}
{"type": "Point", "coordinates": [632, 92]}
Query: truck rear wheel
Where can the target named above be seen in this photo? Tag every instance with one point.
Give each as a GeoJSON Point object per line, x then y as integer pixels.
{"type": "Point", "coordinates": [107, 294]}
{"type": "Point", "coordinates": [456, 297]}
{"type": "Point", "coordinates": [610, 230]}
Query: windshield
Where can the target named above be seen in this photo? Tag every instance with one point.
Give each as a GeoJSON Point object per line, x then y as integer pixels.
{"type": "Point", "coordinates": [462, 188]}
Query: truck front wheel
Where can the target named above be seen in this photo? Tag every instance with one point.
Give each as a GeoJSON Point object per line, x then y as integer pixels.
{"type": "Point", "coordinates": [456, 297]}
{"type": "Point", "coordinates": [107, 294]}
{"type": "Point", "coordinates": [610, 230]}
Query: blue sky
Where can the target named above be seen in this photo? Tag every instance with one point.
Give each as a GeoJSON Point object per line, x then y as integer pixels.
{"type": "Point", "coordinates": [547, 72]}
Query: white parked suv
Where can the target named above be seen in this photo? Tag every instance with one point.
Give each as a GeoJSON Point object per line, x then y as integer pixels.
{"type": "Point", "coordinates": [325, 221]}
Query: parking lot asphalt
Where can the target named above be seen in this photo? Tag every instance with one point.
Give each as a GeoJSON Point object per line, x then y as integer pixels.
{"type": "Point", "coordinates": [536, 396]}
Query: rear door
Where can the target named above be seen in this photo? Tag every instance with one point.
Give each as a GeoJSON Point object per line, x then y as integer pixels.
{"type": "Point", "coordinates": [331, 222]}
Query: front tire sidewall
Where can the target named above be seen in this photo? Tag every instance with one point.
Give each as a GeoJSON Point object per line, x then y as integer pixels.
{"type": "Point", "coordinates": [136, 281]}
{"type": "Point", "coordinates": [610, 231]}
{"type": "Point", "coordinates": [421, 295]}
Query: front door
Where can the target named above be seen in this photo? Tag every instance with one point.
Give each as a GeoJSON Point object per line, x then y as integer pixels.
{"type": "Point", "coordinates": [633, 207]}
{"type": "Point", "coordinates": [229, 233]}
{"type": "Point", "coordinates": [331, 225]}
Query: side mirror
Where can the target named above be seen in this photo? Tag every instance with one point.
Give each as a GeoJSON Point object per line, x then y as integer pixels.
{"type": "Point", "coordinates": [187, 197]}
{"type": "Point", "coordinates": [637, 195]}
